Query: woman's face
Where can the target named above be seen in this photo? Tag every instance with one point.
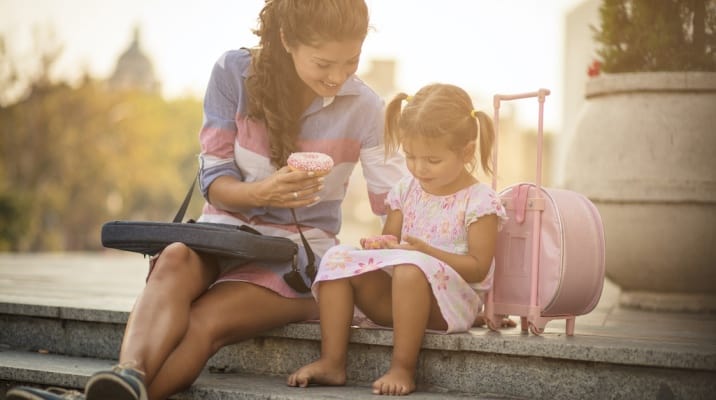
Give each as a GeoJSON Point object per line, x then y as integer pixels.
{"type": "Point", "coordinates": [324, 67]}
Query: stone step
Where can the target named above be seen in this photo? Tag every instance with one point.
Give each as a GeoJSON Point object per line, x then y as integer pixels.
{"type": "Point", "coordinates": [507, 363]}
{"type": "Point", "coordinates": [42, 370]}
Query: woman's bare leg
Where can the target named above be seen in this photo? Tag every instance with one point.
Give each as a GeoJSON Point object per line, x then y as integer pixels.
{"type": "Point", "coordinates": [228, 313]}
{"type": "Point", "coordinates": [336, 302]}
{"type": "Point", "coordinates": [160, 316]}
{"type": "Point", "coordinates": [414, 310]}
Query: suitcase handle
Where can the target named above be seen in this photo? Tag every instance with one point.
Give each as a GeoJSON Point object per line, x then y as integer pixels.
{"type": "Point", "coordinates": [540, 94]}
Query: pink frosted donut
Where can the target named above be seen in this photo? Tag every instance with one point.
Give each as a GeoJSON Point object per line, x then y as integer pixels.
{"type": "Point", "coordinates": [310, 161]}
{"type": "Point", "coordinates": [378, 242]}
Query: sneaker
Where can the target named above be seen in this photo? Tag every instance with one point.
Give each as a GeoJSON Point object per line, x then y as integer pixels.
{"type": "Point", "coordinates": [52, 393]}
{"type": "Point", "coordinates": [119, 383]}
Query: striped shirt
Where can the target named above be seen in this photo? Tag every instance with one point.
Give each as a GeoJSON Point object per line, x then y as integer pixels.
{"type": "Point", "coordinates": [348, 127]}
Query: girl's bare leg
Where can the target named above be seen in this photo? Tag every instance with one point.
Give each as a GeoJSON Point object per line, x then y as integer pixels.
{"type": "Point", "coordinates": [228, 313]}
{"type": "Point", "coordinates": [414, 310]}
{"type": "Point", "coordinates": [336, 302]}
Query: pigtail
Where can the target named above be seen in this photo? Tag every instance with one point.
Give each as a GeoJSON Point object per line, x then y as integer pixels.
{"type": "Point", "coordinates": [486, 135]}
{"type": "Point", "coordinates": [392, 121]}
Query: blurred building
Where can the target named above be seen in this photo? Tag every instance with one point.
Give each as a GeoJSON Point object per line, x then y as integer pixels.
{"type": "Point", "coordinates": [134, 70]}
{"type": "Point", "coordinates": [381, 77]}
{"type": "Point", "coordinates": [579, 52]}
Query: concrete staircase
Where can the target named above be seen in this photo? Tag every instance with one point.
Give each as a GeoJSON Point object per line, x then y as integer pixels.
{"type": "Point", "coordinates": [44, 345]}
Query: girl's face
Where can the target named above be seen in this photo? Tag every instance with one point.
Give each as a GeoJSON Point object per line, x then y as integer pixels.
{"type": "Point", "coordinates": [439, 169]}
{"type": "Point", "coordinates": [326, 66]}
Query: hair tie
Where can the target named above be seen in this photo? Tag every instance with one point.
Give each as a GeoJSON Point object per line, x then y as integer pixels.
{"type": "Point", "coordinates": [473, 113]}
{"type": "Point", "coordinates": [408, 98]}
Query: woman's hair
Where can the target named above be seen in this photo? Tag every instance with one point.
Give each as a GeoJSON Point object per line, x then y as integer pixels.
{"type": "Point", "coordinates": [273, 85]}
{"type": "Point", "coordinates": [440, 111]}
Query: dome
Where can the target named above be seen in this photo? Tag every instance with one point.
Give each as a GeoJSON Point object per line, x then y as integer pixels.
{"type": "Point", "coordinates": [134, 70]}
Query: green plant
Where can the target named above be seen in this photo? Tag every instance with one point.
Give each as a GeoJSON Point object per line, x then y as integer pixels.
{"type": "Point", "coordinates": [657, 35]}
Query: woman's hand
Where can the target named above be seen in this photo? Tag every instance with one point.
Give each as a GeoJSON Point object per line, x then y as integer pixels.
{"type": "Point", "coordinates": [289, 189]}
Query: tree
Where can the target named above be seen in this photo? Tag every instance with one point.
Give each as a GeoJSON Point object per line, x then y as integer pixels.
{"type": "Point", "coordinates": [74, 157]}
{"type": "Point", "coordinates": [663, 35]}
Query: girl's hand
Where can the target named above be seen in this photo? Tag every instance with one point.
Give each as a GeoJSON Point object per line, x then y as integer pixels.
{"type": "Point", "coordinates": [289, 189]}
{"type": "Point", "coordinates": [378, 242]}
{"type": "Point", "coordinates": [411, 243]}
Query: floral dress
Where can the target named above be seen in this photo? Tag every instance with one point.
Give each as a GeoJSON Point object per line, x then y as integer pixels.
{"type": "Point", "coordinates": [441, 221]}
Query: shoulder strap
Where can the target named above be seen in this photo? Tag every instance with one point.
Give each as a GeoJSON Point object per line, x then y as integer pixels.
{"type": "Point", "coordinates": [185, 204]}
{"type": "Point", "coordinates": [311, 266]}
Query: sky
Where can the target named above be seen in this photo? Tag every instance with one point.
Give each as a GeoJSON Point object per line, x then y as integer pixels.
{"type": "Point", "coordinates": [485, 46]}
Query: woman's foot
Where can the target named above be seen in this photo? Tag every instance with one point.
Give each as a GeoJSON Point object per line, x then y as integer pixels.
{"type": "Point", "coordinates": [396, 382]}
{"type": "Point", "coordinates": [119, 383]}
{"type": "Point", "coordinates": [320, 372]}
{"type": "Point", "coordinates": [51, 393]}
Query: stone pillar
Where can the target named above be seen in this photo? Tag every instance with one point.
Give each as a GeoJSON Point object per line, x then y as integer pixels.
{"type": "Point", "coordinates": [644, 151]}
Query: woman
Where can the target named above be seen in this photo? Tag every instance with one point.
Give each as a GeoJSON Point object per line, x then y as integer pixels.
{"type": "Point", "coordinates": [295, 92]}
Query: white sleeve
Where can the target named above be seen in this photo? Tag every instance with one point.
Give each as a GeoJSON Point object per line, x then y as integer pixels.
{"type": "Point", "coordinates": [381, 174]}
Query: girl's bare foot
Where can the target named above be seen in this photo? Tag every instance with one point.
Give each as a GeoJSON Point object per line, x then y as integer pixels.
{"type": "Point", "coordinates": [320, 372]}
{"type": "Point", "coordinates": [505, 322]}
{"type": "Point", "coordinates": [396, 382]}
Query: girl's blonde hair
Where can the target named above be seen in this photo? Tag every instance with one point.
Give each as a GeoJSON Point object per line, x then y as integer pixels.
{"type": "Point", "coordinates": [440, 111]}
{"type": "Point", "coordinates": [273, 85]}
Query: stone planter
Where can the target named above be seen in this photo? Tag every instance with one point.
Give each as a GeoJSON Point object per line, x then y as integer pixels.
{"type": "Point", "coordinates": [644, 151]}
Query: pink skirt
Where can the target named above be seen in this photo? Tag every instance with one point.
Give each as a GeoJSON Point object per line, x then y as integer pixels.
{"type": "Point", "coordinates": [459, 302]}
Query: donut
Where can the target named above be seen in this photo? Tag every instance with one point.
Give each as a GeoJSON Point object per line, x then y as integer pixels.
{"type": "Point", "coordinates": [378, 242]}
{"type": "Point", "coordinates": [310, 162]}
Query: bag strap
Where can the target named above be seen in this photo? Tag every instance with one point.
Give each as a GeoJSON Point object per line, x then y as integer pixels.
{"type": "Point", "coordinates": [310, 268]}
{"type": "Point", "coordinates": [185, 204]}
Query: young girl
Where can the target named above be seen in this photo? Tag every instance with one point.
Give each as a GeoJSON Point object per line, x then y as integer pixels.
{"type": "Point", "coordinates": [445, 223]}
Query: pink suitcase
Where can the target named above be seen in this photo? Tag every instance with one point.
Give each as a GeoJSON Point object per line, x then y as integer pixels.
{"type": "Point", "coordinates": [549, 262]}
